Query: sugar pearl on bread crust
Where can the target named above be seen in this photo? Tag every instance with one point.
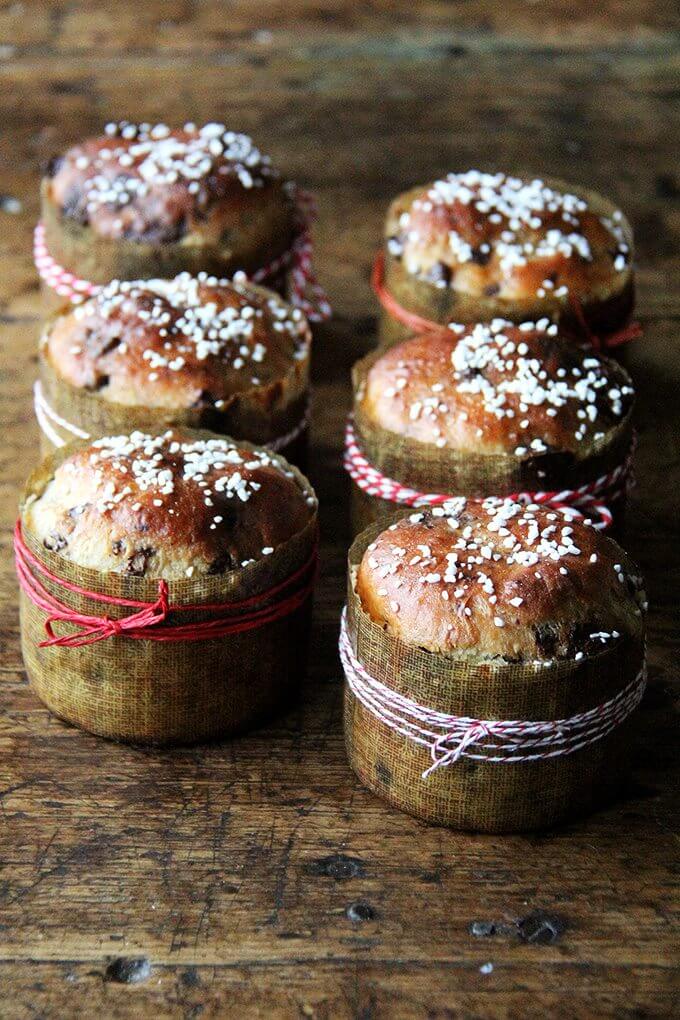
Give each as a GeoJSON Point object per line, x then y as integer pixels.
{"type": "Point", "coordinates": [493, 233]}
{"type": "Point", "coordinates": [153, 184]}
{"type": "Point", "coordinates": [169, 505]}
{"type": "Point", "coordinates": [521, 583]}
{"type": "Point", "coordinates": [180, 343]}
{"type": "Point", "coordinates": [497, 388]}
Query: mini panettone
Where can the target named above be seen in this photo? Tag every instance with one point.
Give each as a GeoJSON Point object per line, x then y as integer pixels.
{"type": "Point", "coordinates": [493, 409]}
{"type": "Point", "coordinates": [494, 653]}
{"type": "Point", "coordinates": [165, 582]}
{"type": "Point", "coordinates": [476, 246]}
{"type": "Point", "coordinates": [144, 201]}
{"type": "Point", "coordinates": [200, 352]}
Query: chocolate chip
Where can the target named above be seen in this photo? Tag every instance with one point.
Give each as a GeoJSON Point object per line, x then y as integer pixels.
{"type": "Point", "coordinates": [54, 542]}
{"type": "Point", "coordinates": [110, 345]}
{"type": "Point", "coordinates": [205, 399]}
{"type": "Point", "coordinates": [117, 546]}
{"type": "Point", "coordinates": [53, 166]}
{"type": "Point", "coordinates": [492, 289]}
{"type": "Point", "coordinates": [100, 382]}
{"type": "Point", "coordinates": [479, 257]}
{"type": "Point", "coordinates": [223, 562]}
{"type": "Point", "coordinates": [439, 273]}
{"type": "Point", "coordinates": [547, 636]}
{"type": "Point", "coordinates": [137, 563]}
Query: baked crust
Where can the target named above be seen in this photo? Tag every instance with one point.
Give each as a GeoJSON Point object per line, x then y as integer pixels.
{"type": "Point", "coordinates": [191, 342]}
{"type": "Point", "coordinates": [497, 389]}
{"type": "Point", "coordinates": [144, 201]}
{"type": "Point", "coordinates": [173, 505]}
{"type": "Point", "coordinates": [495, 580]}
{"type": "Point", "coordinates": [473, 246]}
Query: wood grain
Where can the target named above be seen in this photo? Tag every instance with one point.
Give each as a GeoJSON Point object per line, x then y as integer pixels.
{"type": "Point", "coordinates": [256, 877]}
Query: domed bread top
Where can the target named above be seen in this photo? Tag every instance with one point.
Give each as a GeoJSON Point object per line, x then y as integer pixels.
{"type": "Point", "coordinates": [181, 343]}
{"type": "Point", "coordinates": [498, 388]}
{"type": "Point", "coordinates": [170, 505]}
{"type": "Point", "coordinates": [491, 578]}
{"type": "Point", "coordinates": [152, 184]}
{"type": "Point", "coordinates": [496, 235]}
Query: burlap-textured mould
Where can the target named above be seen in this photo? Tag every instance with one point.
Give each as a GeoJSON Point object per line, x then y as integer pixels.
{"type": "Point", "coordinates": [472, 793]}
{"type": "Point", "coordinates": [410, 304]}
{"type": "Point", "coordinates": [160, 688]}
{"type": "Point", "coordinates": [430, 470]}
{"type": "Point", "coordinates": [274, 415]}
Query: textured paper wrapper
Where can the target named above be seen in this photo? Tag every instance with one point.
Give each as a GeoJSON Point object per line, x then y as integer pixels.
{"type": "Point", "coordinates": [258, 415]}
{"type": "Point", "coordinates": [424, 467]}
{"type": "Point", "coordinates": [151, 692]}
{"type": "Point", "coordinates": [484, 796]}
{"type": "Point", "coordinates": [85, 254]}
{"type": "Point", "coordinates": [445, 304]}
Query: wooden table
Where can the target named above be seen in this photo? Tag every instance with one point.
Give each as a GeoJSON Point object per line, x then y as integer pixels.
{"type": "Point", "coordinates": [256, 878]}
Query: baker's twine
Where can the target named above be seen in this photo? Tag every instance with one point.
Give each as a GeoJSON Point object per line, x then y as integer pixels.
{"type": "Point", "coordinates": [584, 502]}
{"type": "Point", "coordinates": [266, 607]}
{"type": "Point", "coordinates": [307, 294]}
{"type": "Point", "coordinates": [48, 418]}
{"type": "Point", "coordinates": [449, 738]}
{"type": "Point", "coordinates": [418, 324]}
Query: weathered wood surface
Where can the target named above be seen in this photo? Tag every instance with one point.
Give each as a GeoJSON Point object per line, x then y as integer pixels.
{"type": "Point", "coordinates": [235, 870]}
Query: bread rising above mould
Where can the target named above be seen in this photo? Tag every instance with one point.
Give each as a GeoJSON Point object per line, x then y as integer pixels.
{"type": "Point", "coordinates": [510, 238]}
{"type": "Point", "coordinates": [156, 185]}
{"type": "Point", "coordinates": [173, 505]}
{"type": "Point", "coordinates": [498, 388]}
{"type": "Point", "coordinates": [188, 342]}
{"type": "Point", "coordinates": [495, 580]}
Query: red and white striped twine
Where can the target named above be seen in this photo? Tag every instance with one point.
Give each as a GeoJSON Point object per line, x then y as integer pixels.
{"type": "Point", "coordinates": [450, 737]}
{"type": "Point", "coordinates": [48, 418]}
{"type": "Point", "coordinates": [585, 502]}
{"type": "Point", "coordinates": [307, 294]}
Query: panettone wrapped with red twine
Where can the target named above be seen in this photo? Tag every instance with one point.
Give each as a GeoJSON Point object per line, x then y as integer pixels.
{"type": "Point", "coordinates": [166, 584]}
{"type": "Point", "coordinates": [494, 409]}
{"type": "Point", "coordinates": [494, 659]}
{"type": "Point", "coordinates": [475, 246]}
{"type": "Point", "coordinates": [196, 352]}
{"type": "Point", "coordinates": [145, 201]}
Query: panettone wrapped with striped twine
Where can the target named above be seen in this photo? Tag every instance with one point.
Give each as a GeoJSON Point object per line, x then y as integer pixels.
{"type": "Point", "coordinates": [470, 705]}
{"type": "Point", "coordinates": [490, 409]}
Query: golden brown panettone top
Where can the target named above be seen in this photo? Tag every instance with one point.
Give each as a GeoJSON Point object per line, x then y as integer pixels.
{"type": "Point", "coordinates": [170, 505]}
{"type": "Point", "coordinates": [180, 343]}
{"type": "Point", "coordinates": [491, 578]}
{"type": "Point", "coordinates": [498, 388]}
{"type": "Point", "coordinates": [150, 184]}
{"type": "Point", "coordinates": [496, 235]}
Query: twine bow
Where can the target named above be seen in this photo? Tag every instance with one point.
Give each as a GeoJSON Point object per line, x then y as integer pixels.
{"type": "Point", "coordinates": [277, 602]}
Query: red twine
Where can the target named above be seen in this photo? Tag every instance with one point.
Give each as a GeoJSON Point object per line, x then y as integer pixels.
{"type": "Point", "coordinates": [633, 331]}
{"type": "Point", "coordinates": [583, 502]}
{"type": "Point", "coordinates": [307, 294]}
{"type": "Point", "coordinates": [228, 617]}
